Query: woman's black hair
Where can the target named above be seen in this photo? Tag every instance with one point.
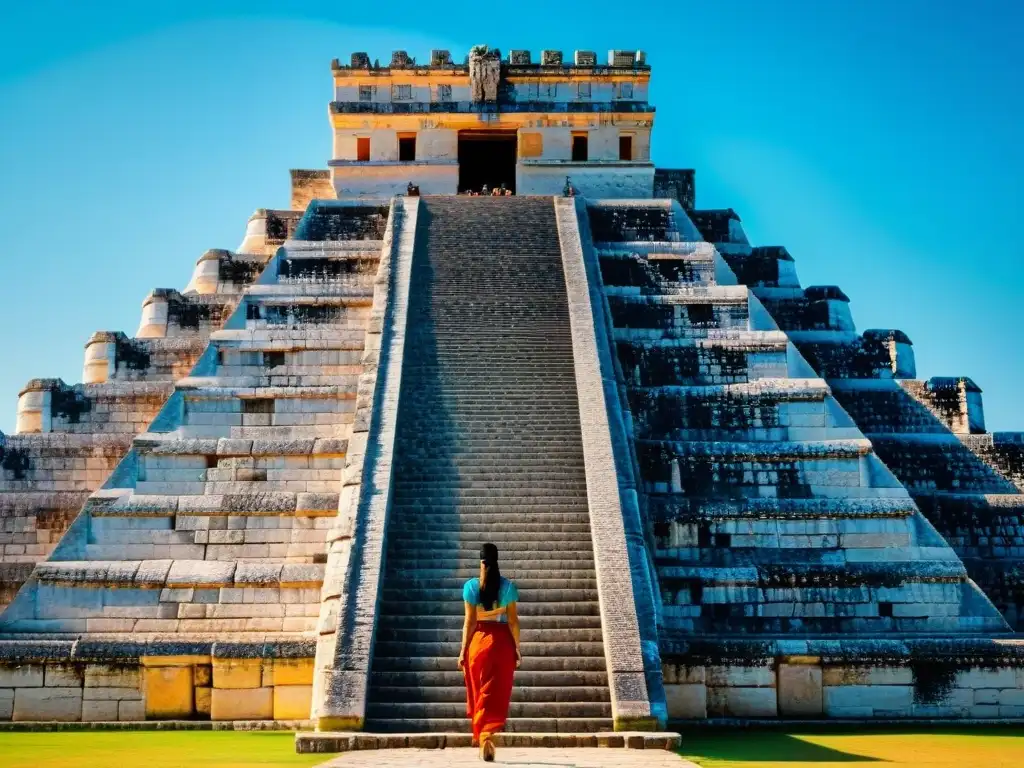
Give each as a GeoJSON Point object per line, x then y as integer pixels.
{"type": "Point", "coordinates": [491, 582]}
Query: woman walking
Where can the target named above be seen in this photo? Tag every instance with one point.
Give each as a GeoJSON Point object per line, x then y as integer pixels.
{"type": "Point", "coordinates": [490, 649]}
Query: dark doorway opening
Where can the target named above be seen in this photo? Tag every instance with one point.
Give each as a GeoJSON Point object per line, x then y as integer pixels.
{"type": "Point", "coordinates": [487, 157]}
{"type": "Point", "coordinates": [579, 147]}
{"type": "Point", "coordinates": [406, 149]}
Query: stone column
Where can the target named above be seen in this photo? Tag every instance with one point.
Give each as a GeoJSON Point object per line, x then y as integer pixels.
{"type": "Point", "coordinates": [100, 358]}
{"type": "Point", "coordinates": [154, 315]}
{"type": "Point", "coordinates": [34, 403]}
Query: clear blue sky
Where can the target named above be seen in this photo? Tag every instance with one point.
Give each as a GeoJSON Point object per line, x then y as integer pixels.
{"type": "Point", "coordinates": [880, 140]}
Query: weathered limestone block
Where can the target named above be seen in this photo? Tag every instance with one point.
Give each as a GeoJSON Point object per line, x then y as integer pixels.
{"type": "Point", "coordinates": [849, 676]}
{"type": "Point", "coordinates": [736, 676]}
{"type": "Point", "coordinates": [742, 702]}
{"type": "Point", "coordinates": [987, 678]}
{"type": "Point", "coordinates": [800, 690]}
{"type": "Point", "coordinates": [854, 700]}
{"type": "Point", "coordinates": [21, 676]}
{"type": "Point", "coordinates": [686, 701]}
{"type": "Point", "coordinates": [110, 676]}
{"type": "Point", "coordinates": [99, 711]}
{"type": "Point", "coordinates": [169, 692]}
{"type": "Point", "coordinates": [242, 704]}
{"type": "Point", "coordinates": [293, 702]}
{"type": "Point", "coordinates": [60, 704]}
{"type": "Point", "coordinates": [131, 710]}
{"type": "Point", "coordinates": [63, 676]}
{"type": "Point", "coordinates": [292, 672]}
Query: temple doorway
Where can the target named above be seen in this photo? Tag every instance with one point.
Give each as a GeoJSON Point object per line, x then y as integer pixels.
{"type": "Point", "coordinates": [487, 157]}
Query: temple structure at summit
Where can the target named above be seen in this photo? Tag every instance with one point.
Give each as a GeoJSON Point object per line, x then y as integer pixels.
{"type": "Point", "coordinates": [717, 497]}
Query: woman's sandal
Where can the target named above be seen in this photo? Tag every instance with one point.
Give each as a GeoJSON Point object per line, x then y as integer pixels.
{"type": "Point", "coordinates": [487, 748]}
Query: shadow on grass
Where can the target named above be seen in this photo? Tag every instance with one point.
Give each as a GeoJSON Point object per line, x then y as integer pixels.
{"type": "Point", "coordinates": [763, 747]}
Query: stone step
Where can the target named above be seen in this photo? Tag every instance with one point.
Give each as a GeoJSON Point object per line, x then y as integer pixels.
{"type": "Point", "coordinates": [521, 693]}
{"type": "Point", "coordinates": [399, 579]}
{"type": "Point", "coordinates": [489, 484]}
{"type": "Point", "coordinates": [469, 538]}
{"type": "Point", "coordinates": [431, 679]}
{"type": "Point", "coordinates": [414, 513]}
{"type": "Point", "coordinates": [455, 622]}
{"type": "Point", "coordinates": [472, 500]}
{"type": "Point", "coordinates": [457, 566]}
{"type": "Point", "coordinates": [509, 549]}
{"type": "Point", "coordinates": [432, 663]}
{"type": "Point", "coordinates": [413, 526]}
{"type": "Point", "coordinates": [433, 710]}
{"type": "Point", "coordinates": [543, 634]}
{"type": "Point", "coordinates": [539, 595]}
{"type": "Point", "coordinates": [514, 725]}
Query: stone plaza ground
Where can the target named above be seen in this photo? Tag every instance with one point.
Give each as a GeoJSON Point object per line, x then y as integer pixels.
{"type": "Point", "coordinates": [818, 748]}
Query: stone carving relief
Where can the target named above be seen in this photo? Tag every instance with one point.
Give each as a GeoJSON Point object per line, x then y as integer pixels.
{"type": "Point", "coordinates": [484, 73]}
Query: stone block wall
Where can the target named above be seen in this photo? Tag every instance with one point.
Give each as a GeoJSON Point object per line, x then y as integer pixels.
{"type": "Point", "coordinates": [840, 679]}
{"type": "Point", "coordinates": [70, 437]}
{"type": "Point", "coordinates": [930, 434]}
{"type": "Point", "coordinates": [308, 186]}
{"type": "Point", "coordinates": [89, 681]}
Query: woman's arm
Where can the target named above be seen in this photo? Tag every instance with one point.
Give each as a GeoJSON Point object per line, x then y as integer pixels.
{"type": "Point", "coordinates": [468, 628]}
{"type": "Point", "coordinates": [513, 624]}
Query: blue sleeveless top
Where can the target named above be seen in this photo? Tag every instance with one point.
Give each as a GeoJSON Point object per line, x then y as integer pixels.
{"type": "Point", "coordinates": [507, 593]}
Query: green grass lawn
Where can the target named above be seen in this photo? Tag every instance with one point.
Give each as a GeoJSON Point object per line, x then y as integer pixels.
{"type": "Point", "coordinates": [833, 748]}
{"type": "Point", "coordinates": [152, 749]}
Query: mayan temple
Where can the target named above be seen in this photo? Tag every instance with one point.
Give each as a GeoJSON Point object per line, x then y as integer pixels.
{"type": "Point", "coordinates": [717, 497]}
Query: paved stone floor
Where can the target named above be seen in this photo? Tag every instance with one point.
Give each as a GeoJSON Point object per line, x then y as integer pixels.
{"type": "Point", "coordinates": [532, 757]}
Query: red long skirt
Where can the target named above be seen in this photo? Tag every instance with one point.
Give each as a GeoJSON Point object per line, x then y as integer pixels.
{"type": "Point", "coordinates": [490, 667]}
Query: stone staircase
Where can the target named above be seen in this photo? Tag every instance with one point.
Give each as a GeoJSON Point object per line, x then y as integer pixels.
{"type": "Point", "coordinates": [488, 448]}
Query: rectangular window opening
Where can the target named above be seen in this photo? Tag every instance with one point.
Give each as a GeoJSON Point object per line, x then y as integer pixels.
{"type": "Point", "coordinates": [406, 149]}
{"type": "Point", "coordinates": [273, 359]}
{"type": "Point", "coordinates": [363, 149]}
{"type": "Point", "coordinates": [401, 93]}
{"type": "Point", "coordinates": [700, 314]}
{"type": "Point", "coordinates": [366, 93]}
{"type": "Point", "coordinates": [584, 91]}
{"type": "Point", "coordinates": [258, 405]}
{"type": "Point", "coordinates": [885, 610]}
{"type": "Point", "coordinates": [579, 147]}
{"type": "Point", "coordinates": [625, 90]}
{"type": "Point", "coordinates": [444, 93]}
{"type": "Point", "coordinates": [625, 147]}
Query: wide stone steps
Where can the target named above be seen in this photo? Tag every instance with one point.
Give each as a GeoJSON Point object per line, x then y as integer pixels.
{"type": "Point", "coordinates": [527, 636]}
{"type": "Point", "coordinates": [521, 561]}
{"type": "Point", "coordinates": [432, 663]}
{"type": "Point", "coordinates": [456, 694]}
{"type": "Point", "coordinates": [465, 548]}
{"type": "Point", "coordinates": [518, 709]}
{"type": "Point", "coordinates": [488, 449]}
{"type": "Point", "coordinates": [454, 622]}
{"type": "Point", "coordinates": [414, 526]}
{"type": "Point", "coordinates": [547, 595]}
{"type": "Point", "coordinates": [405, 724]}
{"type": "Point", "coordinates": [415, 582]}
{"type": "Point", "coordinates": [523, 679]}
